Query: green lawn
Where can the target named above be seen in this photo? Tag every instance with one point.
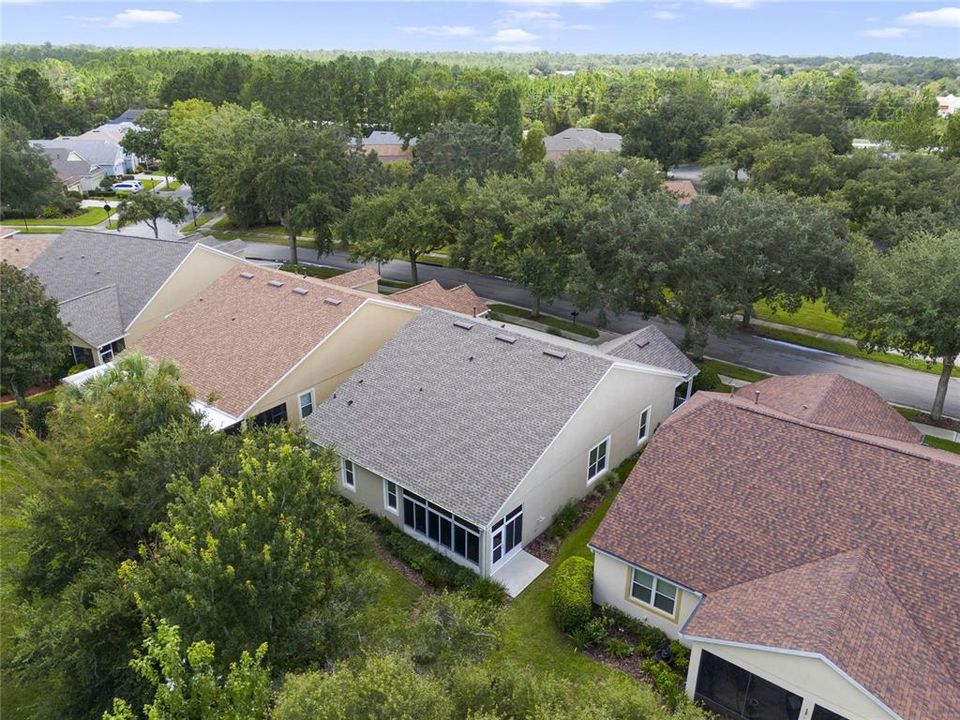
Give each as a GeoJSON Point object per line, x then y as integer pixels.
{"type": "Point", "coordinates": [908, 413]}
{"type": "Point", "coordinates": [498, 311]}
{"type": "Point", "coordinates": [89, 216]}
{"type": "Point", "coordinates": [37, 230]}
{"type": "Point", "coordinates": [387, 616]}
{"type": "Point", "coordinates": [811, 316]}
{"type": "Point", "coordinates": [734, 371]}
{"type": "Point", "coordinates": [194, 224]}
{"type": "Point", "coordinates": [174, 185]}
{"type": "Point", "coordinates": [398, 284]}
{"type": "Point", "coordinates": [842, 348]}
{"type": "Point", "coordinates": [45, 395]}
{"type": "Point", "coordinates": [942, 444]}
{"type": "Point", "coordinates": [317, 271]}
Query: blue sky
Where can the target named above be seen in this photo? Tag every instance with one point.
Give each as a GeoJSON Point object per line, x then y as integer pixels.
{"type": "Point", "coordinates": [580, 26]}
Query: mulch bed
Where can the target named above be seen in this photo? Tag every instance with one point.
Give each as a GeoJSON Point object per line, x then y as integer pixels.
{"type": "Point", "coordinates": [546, 548]}
{"type": "Point", "coordinates": [35, 390]}
{"type": "Point", "coordinates": [402, 568]}
{"type": "Point", "coordinates": [945, 423]}
{"type": "Point", "coordinates": [630, 665]}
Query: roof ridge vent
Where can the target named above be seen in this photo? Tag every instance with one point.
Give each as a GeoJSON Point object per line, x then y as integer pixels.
{"type": "Point", "coordinates": [510, 339]}
{"type": "Point", "coordinates": [246, 275]}
{"type": "Point", "coordinates": [275, 283]}
{"type": "Point", "coordinates": [332, 301]}
{"type": "Point", "coordinates": [300, 291]}
{"type": "Point", "coordinates": [558, 354]}
{"type": "Point", "coordinates": [463, 324]}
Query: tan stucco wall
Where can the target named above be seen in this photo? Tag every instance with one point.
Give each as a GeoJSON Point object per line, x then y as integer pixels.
{"type": "Point", "coordinates": [611, 586]}
{"type": "Point", "coordinates": [612, 409]}
{"type": "Point", "coordinates": [330, 364]}
{"type": "Point", "coordinates": [197, 272]}
{"type": "Point", "coordinates": [809, 677]}
{"type": "Point", "coordinates": [369, 492]}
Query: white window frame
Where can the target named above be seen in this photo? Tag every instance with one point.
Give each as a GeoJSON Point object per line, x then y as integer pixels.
{"type": "Point", "coordinates": [606, 460]}
{"type": "Point", "coordinates": [352, 474]}
{"type": "Point", "coordinates": [386, 496]}
{"type": "Point", "coordinates": [313, 405]}
{"type": "Point", "coordinates": [657, 580]}
{"type": "Point", "coordinates": [643, 433]}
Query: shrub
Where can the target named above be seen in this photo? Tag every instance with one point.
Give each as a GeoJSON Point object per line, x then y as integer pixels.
{"type": "Point", "coordinates": [649, 639]}
{"type": "Point", "coordinates": [617, 648]}
{"type": "Point", "coordinates": [668, 683]}
{"type": "Point", "coordinates": [681, 657]}
{"type": "Point", "coordinates": [591, 633]}
{"type": "Point", "coordinates": [707, 379]}
{"type": "Point", "coordinates": [74, 369]}
{"type": "Point", "coordinates": [564, 520]}
{"type": "Point", "coordinates": [572, 593]}
{"type": "Point", "coordinates": [48, 212]}
{"type": "Point", "coordinates": [12, 419]}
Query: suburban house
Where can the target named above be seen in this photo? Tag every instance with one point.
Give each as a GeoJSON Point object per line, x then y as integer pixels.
{"type": "Point", "coordinates": [805, 545]}
{"type": "Point", "coordinates": [389, 146]}
{"type": "Point", "coordinates": [106, 155]}
{"type": "Point", "coordinates": [571, 139]}
{"type": "Point", "coordinates": [461, 299]}
{"type": "Point", "coordinates": [112, 288]}
{"type": "Point", "coordinates": [266, 346]}
{"type": "Point", "coordinates": [470, 435]}
{"type": "Point", "coordinates": [73, 170]}
{"type": "Point", "coordinates": [684, 191]}
{"type": "Point", "coordinates": [649, 346]}
{"type": "Point", "coordinates": [947, 105]}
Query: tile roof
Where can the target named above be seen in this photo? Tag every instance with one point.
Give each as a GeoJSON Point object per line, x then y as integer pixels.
{"type": "Point", "coordinates": [729, 492]}
{"type": "Point", "coordinates": [583, 139]}
{"type": "Point", "coordinates": [831, 400]}
{"type": "Point", "coordinates": [650, 346]}
{"type": "Point", "coordinates": [455, 414]}
{"type": "Point", "coordinates": [853, 618]}
{"type": "Point", "coordinates": [683, 189]}
{"type": "Point", "coordinates": [461, 299]}
{"type": "Point", "coordinates": [240, 336]}
{"type": "Point", "coordinates": [78, 262]}
{"type": "Point", "coordinates": [355, 278]}
{"type": "Point", "coordinates": [21, 250]}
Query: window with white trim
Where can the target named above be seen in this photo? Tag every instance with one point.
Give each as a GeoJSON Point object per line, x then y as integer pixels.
{"type": "Point", "coordinates": [597, 461]}
{"type": "Point", "coordinates": [654, 591]}
{"type": "Point", "coordinates": [390, 495]}
{"type": "Point", "coordinates": [442, 527]}
{"type": "Point", "coordinates": [349, 474]}
{"type": "Point", "coordinates": [644, 426]}
{"type": "Point", "coordinates": [305, 400]}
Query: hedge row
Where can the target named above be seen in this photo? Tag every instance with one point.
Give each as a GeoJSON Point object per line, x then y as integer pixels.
{"type": "Point", "coordinates": [573, 593]}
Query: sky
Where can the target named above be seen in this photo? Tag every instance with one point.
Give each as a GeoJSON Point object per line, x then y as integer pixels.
{"type": "Point", "coordinates": [774, 27]}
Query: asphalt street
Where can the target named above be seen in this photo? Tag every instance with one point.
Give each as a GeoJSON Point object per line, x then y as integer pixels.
{"type": "Point", "coordinates": [896, 384]}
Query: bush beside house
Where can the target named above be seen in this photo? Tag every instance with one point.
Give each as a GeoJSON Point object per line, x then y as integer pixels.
{"type": "Point", "coordinates": [573, 594]}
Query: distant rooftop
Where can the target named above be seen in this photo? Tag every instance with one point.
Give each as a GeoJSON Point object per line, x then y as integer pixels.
{"type": "Point", "coordinates": [583, 139]}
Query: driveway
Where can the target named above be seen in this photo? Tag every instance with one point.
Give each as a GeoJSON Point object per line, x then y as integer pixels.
{"type": "Point", "coordinates": [896, 384]}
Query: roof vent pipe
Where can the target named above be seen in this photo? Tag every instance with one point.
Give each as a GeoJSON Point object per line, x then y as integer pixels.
{"type": "Point", "coordinates": [756, 397]}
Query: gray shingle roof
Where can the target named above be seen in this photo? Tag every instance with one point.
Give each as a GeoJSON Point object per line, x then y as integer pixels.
{"type": "Point", "coordinates": [456, 415]}
{"type": "Point", "coordinates": [98, 152]}
{"type": "Point", "coordinates": [79, 262]}
{"type": "Point", "coordinates": [650, 346]}
{"type": "Point", "coordinates": [583, 139]}
{"type": "Point", "coordinates": [385, 137]}
{"type": "Point", "coordinates": [94, 316]}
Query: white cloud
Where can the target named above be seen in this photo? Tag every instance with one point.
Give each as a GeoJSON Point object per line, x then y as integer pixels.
{"type": "Point", "coordinates": [129, 18]}
{"type": "Point", "coordinates": [522, 48]}
{"type": "Point", "coordinates": [583, 3]}
{"type": "Point", "coordinates": [664, 15]}
{"type": "Point", "coordinates": [86, 19]}
{"type": "Point", "coordinates": [513, 35]}
{"type": "Point", "coordinates": [886, 32]}
{"type": "Point", "coordinates": [944, 17]}
{"type": "Point", "coordinates": [738, 4]}
{"type": "Point", "coordinates": [439, 30]}
{"type": "Point", "coordinates": [520, 16]}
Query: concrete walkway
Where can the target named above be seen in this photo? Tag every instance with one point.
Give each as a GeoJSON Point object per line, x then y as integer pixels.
{"type": "Point", "coordinates": [519, 571]}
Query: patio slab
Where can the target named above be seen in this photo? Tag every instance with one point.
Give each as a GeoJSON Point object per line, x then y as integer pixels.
{"type": "Point", "coordinates": [519, 571]}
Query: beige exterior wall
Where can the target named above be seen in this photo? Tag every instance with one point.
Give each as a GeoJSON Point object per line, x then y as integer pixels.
{"type": "Point", "coordinates": [338, 357]}
{"type": "Point", "coordinates": [197, 272]}
{"type": "Point", "coordinates": [613, 409]}
{"type": "Point", "coordinates": [810, 677]}
{"type": "Point", "coordinates": [611, 586]}
{"type": "Point", "coordinates": [369, 492]}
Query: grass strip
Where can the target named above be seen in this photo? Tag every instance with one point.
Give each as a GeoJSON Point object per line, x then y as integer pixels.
{"type": "Point", "coordinates": [504, 313]}
{"type": "Point", "coordinates": [734, 371]}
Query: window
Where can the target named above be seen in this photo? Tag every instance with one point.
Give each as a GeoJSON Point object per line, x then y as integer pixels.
{"type": "Point", "coordinates": [390, 495]}
{"type": "Point", "coordinates": [820, 713]}
{"type": "Point", "coordinates": [108, 352]}
{"type": "Point", "coordinates": [306, 404]}
{"type": "Point", "coordinates": [82, 355]}
{"type": "Point", "coordinates": [644, 426]}
{"type": "Point", "coordinates": [274, 416]}
{"type": "Point", "coordinates": [654, 591]}
{"type": "Point", "coordinates": [349, 475]}
{"type": "Point", "coordinates": [507, 533]}
{"type": "Point", "coordinates": [441, 527]}
{"type": "Point", "coordinates": [597, 462]}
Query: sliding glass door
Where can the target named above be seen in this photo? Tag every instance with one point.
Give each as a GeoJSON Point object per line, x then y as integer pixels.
{"type": "Point", "coordinates": [507, 534]}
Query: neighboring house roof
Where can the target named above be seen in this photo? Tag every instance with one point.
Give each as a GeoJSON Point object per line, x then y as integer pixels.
{"type": "Point", "coordinates": [21, 250]}
{"type": "Point", "coordinates": [385, 137]}
{"type": "Point", "coordinates": [70, 166]}
{"type": "Point", "coordinates": [461, 299]}
{"type": "Point", "coordinates": [241, 334]}
{"type": "Point", "coordinates": [79, 262]}
{"type": "Point", "coordinates": [448, 411]}
{"type": "Point", "coordinates": [583, 139]}
{"type": "Point", "coordinates": [650, 346]}
{"type": "Point", "coordinates": [683, 189]}
{"type": "Point", "coordinates": [730, 492]}
{"type": "Point", "coordinates": [831, 400]}
{"type": "Point", "coordinates": [98, 152]}
{"type": "Point", "coordinates": [94, 316]}
{"type": "Point", "coordinates": [355, 278]}
{"type": "Point", "coordinates": [111, 132]}
{"type": "Point", "coordinates": [127, 116]}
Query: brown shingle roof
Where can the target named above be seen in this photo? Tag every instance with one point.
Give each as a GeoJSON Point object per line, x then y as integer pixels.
{"type": "Point", "coordinates": [831, 400]}
{"type": "Point", "coordinates": [354, 278]}
{"type": "Point", "coordinates": [461, 299]}
{"type": "Point", "coordinates": [729, 492]}
{"type": "Point", "coordinates": [21, 250]}
{"type": "Point", "coordinates": [683, 189]}
{"type": "Point", "coordinates": [239, 336]}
